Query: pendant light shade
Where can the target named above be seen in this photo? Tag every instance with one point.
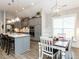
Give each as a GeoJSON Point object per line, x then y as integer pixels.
{"type": "Point", "coordinates": [12, 20]}
{"type": "Point", "coordinates": [17, 19]}
{"type": "Point", "coordinates": [9, 22]}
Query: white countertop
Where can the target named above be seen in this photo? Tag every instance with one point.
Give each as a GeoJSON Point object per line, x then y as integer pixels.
{"type": "Point", "coordinates": [17, 34]}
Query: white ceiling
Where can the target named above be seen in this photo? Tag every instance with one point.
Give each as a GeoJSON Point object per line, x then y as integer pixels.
{"type": "Point", "coordinates": [30, 9]}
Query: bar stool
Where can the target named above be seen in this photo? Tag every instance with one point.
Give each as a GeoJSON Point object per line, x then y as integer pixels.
{"type": "Point", "coordinates": [3, 40]}
{"type": "Point", "coordinates": [10, 44]}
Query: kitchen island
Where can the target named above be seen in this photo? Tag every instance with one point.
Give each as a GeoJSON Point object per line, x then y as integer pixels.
{"type": "Point", "coordinates": [21, 42]}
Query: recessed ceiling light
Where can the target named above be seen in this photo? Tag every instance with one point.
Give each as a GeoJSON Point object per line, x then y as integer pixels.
{"type": "Point", "coordinates": [16, 11]}
{"type": "Point", "coordinates": [32, 3]}
{"type": "Point", "coordinates": [23, 8]}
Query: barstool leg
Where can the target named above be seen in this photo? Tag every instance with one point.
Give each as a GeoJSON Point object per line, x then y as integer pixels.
{"type": "Point", "coordinates": [8, 51]}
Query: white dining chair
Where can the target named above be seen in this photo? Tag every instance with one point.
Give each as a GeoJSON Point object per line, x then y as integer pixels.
{"type": "Point", "coordinates": [70, 49]}
{"type": "Point", "coordinates": [47, 47]}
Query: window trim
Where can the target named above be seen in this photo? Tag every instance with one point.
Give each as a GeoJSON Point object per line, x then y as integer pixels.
{"type": "Point", "coordinates": [67, 15]}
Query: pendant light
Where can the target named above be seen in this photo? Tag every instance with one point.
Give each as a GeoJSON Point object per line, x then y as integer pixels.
{"type": "Point", "coordinates": [56, 9]}
{"type": "Point", "coordinates": [12, 20]}
{"type": "Point", "coordinates": [9, 22]}
{"type": "Point", "coordinates": [17, 19]}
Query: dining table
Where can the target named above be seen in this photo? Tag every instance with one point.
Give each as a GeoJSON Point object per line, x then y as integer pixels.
{"type": "Point", "coordinates": [61, 45]}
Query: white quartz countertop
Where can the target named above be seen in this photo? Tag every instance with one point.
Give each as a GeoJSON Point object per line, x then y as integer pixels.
{"type": "Point", "coordinates": [17, 35]}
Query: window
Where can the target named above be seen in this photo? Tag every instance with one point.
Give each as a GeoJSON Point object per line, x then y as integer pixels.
{"type": "Point", "coordinates": [64, 24]}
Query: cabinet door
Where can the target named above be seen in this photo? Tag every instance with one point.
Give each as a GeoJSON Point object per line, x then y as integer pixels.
{"type": "Point", "coordinates": [37, 32]}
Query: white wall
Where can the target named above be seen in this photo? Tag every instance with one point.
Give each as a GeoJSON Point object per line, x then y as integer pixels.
{"type": "Point", "coordinates": [46, 24]}
{"type": "Point", "coordinates": [76, 43]}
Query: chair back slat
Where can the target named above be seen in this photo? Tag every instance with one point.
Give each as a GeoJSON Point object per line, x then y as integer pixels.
{"type": "Point", "coordinates": [70, 44]}
{"type": "Point", "coordinates": [47, 44]}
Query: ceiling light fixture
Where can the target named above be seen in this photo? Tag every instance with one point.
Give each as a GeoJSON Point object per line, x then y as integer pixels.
{"type": "Point", "coordinates": [13, 20]}
{"type": "Point", "coordinates": [56, 9]}
{"type": "Point", "coordinates": [16, 11]}
{"type": "Point", "coordinates": [23, 8]}
{"type": "Point", "coordinates": [17, 19]}
{"type": "Point", "coordinates": [9, 22]}
{"type": "Point", "coordinates": [32, 3]}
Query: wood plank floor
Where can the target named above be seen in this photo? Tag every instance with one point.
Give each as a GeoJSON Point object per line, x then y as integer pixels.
{"type": "Point", "coordinates": [76, 53]}
{"type": "Point", "coordinates": [32, 54]}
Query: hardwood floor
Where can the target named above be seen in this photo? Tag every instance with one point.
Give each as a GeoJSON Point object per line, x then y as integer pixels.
{"type": "Point", "coordinates": [76, 53]}
{"type": "Point", "coordinates": [32, 54]}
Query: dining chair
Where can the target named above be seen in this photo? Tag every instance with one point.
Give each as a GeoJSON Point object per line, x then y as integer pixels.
{"type": "Point", "coordinates": [70, 49]}
{"type": "Point", "coordinates": [47, 48]}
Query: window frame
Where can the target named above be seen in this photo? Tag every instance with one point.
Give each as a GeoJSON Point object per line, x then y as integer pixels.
{"type": "Point", "coordinates": [63, 16]}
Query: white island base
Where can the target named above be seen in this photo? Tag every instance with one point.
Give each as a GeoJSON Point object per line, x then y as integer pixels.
{"type": "Point", "coordinates": [22, 42]}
